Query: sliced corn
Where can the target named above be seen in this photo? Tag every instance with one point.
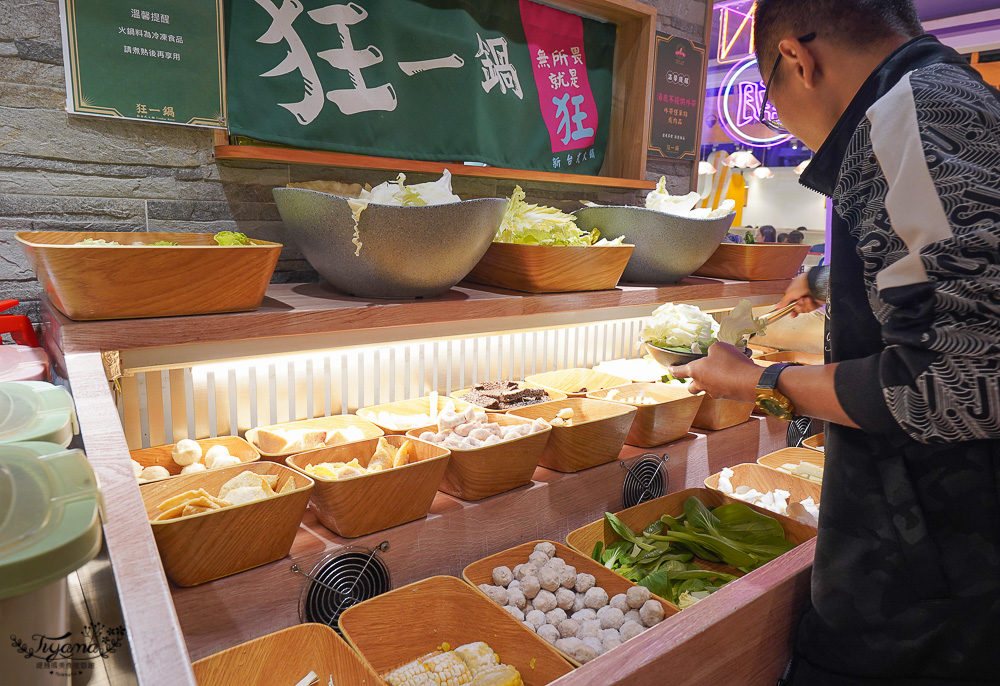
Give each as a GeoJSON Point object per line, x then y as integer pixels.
{"type": "Point", "coordinates": [474, 663]}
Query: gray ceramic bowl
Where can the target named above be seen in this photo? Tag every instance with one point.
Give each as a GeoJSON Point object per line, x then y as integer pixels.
{"type": "Point", "coordinates": [667, 248]}
{"type": "Point", "coordinates": [407, 252]}
{"type": "Point", "coordinates": [670, 358]}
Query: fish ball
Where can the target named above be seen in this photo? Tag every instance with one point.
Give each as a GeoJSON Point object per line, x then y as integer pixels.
{"type": "Point", "coordinates": [538, 559]}
{"type": "Point", "coordinates": [555, 616]}
{"type": "Point", "coordinates": [186, 452]}
{"type": "Point", "coordinates": [548, 578]}
{"type": "Point", "coordinates": [154, 472]}
{"type": "Point", "coordinates": [524, 570]}
{"type": "Point", "coordinates": [611, 617]}
{"type": "Point", "coordinates": [193, 468]}
{"type": "Point", "coordinates": [549, 633]}
{"type": "Point", "coordinates": [565, 598]}
{"type": "Point", "coordinates": [502, 576]}
{"type": "Point", "coordinates": [636, 596]}
{"type": "Point", "coordinates": [630, 630]}
{"type": "Point", "coordinates": [585, 582]}
{"type": "Point", "coordinates": [568, 628]}
{"type": "Point", "coordinates": [514, 612]}
{"type": "Point", "coordinates": [620, 602]}
{"type": "Point", "coordinates": [529, 586]}
{"type": "Point", "coordinates": [651, 613]}
{"type": "Point", "coordinates": [535, 617]}
{"type": "Point", "coordinates": [544, 601]}
{"type": "Point", "coordinates": [596, 597]}
{"type": "Point", "coordinates": [585, 615]}
{"type": "Point", "coordinates": [214, 453]}
{"type": "Point", "coordinates": [495, 593]}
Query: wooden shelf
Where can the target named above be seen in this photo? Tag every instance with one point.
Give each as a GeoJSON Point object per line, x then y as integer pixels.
{"type": "Point", "coordinates": [315, 308]}
{"type": "Point", "coordinates": [260, 153]}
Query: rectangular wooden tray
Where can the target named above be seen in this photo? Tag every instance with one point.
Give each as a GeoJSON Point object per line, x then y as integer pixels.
{"type": "Point", "coordinates": [284, 657]}
{"type": "Point", "coordinates": [570, 381]}
{"type": "Point", "coordinates": [758, 262]}
{"type": "Point", "coordinates": [481, 572]}
{"type": "Point", "coordinates": [402, 625]}
{"type": "Point", "coordinates": [161, 455]}
{"type": "Point", "coordinates": [667, 420]}
{"type": "Point", "coordinates": [207, 546]}
{"type": "Point", "coordinates": [765, 479]}
{"type": "Point", "coordinates": [337, 421]}
{"type": "Point", "coordinates": [361, 505]}
{"type": "Point", "coordinates": [551, 268]}
{"type": "Point", "coordinates": [715, 415]}
{"type": "Point", "coordinates": [198, 276]}
{"type": "Point", "coordinates": [792, 356]}
{"type": "Point", "coordinates": [407, 407]}
{"type": "Point", "coordinates": [792, 456]}
{"type": "Point", "coordinates": [553, 394]}
{"type": "Point", "coordinates": [817, 443]}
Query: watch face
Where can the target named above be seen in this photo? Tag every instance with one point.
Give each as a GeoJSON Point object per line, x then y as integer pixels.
{"type": "Point", "coordinates": [774, 407]}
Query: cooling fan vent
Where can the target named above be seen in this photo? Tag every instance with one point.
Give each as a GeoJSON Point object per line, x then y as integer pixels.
{"type": "Point", "coordinates": [646, 478]}
{"type": "Point", "coordinates": [340, 580]}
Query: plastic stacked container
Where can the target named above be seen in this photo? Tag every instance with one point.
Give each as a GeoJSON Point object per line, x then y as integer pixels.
{"type": "Point", "coordinates": [49, 528]}
{"type": "Point", "coordinates": [36, 411]}
{"type": "Point", "coordinates": [24, 360]}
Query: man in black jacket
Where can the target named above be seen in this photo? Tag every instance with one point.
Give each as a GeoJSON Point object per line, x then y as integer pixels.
{"type": "Point", "coordinates": [906, 581]}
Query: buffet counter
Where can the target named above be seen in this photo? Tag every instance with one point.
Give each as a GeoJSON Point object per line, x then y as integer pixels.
{"type": "Point", "coordinates": [719, 640]}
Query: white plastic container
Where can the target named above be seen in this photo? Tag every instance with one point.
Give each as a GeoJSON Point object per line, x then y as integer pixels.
{"type": "Point", "coordinates": [49, 528]}
{"type": "Point", "coordinates": [23, 363]}
{"type": "Point", "coordinates": [36, 411]}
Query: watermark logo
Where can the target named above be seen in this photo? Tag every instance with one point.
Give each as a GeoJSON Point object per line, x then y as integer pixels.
{"type": "Point", "coordinates": [60, 654]}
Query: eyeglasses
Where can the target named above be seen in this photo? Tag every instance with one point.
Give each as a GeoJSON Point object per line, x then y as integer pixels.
{"type": "Point", "coordinates": [774, 124]}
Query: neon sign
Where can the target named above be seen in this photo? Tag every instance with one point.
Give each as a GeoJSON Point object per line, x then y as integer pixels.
{"type": "Point", "coordinates": [736, 30]}
{"type": "Point", "coordinates": [739, 104]}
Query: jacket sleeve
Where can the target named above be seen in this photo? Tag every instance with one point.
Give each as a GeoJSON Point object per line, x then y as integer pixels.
{"type": "Point", "coordinates": [938, 264]}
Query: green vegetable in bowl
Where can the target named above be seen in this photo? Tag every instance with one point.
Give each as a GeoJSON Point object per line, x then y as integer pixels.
{"type": "Point", "coordinates": [232, 238]}
{"type": "Point", "coordinates": [96, 241]}
{"type": "Point", "coordinates": [540, 225]}
{"type": "Point", "coordinates": [164, 243]}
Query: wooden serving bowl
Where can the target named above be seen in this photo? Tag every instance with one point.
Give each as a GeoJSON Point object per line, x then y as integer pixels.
{"type": "Point", "coordinates": [553, 394]}
{"type": "Point", "coordinates": [817, 443]}
{"type": "Point", "coordinates": [161, 454]}
{"type": "Point", "coordinates": [792, 356]}
{"type": "Point", "coordinates": [198, 276]}
{"type": "Point", "coordinates": [765, 479]}
{"type": "Point", "coordinates": [361, 505]}
{"type": "Point", "coordinates": [792, 456]}
{"type": "Point", "coordinates": [596, 436]}
{"type": "Point", "coordinates": [211, 545]}
{"type": "Point", "coordinates": [285, 657]}
{"type": "Point", "coordinates": [756, 262]}
{"type": "Point", "coordinates": [400, 626]}
{"type": "Point", "coordinates": [571, 381]}
{"type": "Point", "coordinates": [668, 419]}
{"type": "Point", "coordinates": [640, 516]}
{"type": "Point", "coordinates": [337, 421]}
{"type": "Point", "coordinates": [413, 406]}
{"type": "Point", "coordinates": [481, 472]}
{"type": "Point", "coordinates": [552, 268]}
{"type": "Point", "coordinates": [481, 572]}
{"type": "Point", "coordinates": [715, 414]}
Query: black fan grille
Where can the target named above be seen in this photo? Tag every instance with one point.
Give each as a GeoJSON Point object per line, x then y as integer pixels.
{"type": "Point", "coordinates": [341, 580]}
{"type": "Point", "coordinates": [799, 429]}
{"type": "Point", "coordinates": [645, 479]}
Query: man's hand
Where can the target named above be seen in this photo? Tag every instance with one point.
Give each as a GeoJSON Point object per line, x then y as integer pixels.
{"type": "Point", "coordinates": [798, 293]}
{"type": "Point", "coordinates": [725, 374]}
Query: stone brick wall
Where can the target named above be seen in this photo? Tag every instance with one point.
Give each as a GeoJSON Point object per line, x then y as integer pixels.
{"type": "Point", "coordinates": [91, 174]}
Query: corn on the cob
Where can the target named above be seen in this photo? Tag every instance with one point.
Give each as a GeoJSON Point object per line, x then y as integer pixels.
{"type": "Point", "coordinates": [498, 675]}
{"type": "Point", "coordinates": [474, 664]}
{"type": "Point", "coordinates": [477, 656]}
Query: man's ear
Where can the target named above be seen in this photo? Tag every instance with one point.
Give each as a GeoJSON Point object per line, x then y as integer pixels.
{"type": "Point", "coordinates": [802, 59]}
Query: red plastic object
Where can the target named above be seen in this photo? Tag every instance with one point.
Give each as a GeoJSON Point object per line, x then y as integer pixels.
{"type": "Point", "coordinates": [17, 325]}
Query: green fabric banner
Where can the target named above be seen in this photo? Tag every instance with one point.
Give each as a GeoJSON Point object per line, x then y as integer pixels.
{"type": "Point", "coordinates": [509, 83]}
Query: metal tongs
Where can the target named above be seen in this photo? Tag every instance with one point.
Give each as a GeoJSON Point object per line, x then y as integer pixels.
{"type": "Point", "coordinates": [774, 315]}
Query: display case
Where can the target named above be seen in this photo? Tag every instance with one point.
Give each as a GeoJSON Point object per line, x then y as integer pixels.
{"type": "Point", "coordinates": [310, 352]}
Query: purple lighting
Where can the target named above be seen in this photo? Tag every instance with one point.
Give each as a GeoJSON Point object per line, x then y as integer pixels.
{"type": "Point", "coordinates": [748, 95]}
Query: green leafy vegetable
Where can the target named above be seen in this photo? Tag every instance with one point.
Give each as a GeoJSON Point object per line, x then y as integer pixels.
{"type": "Point", "coordinates": [164, 243]}
{"type": "Point", "coordinates": [232, 238]}
{"type": "Point", "coordinates": [96, 241]}
{"type": "Point", "coordinates": [539, 225]}
{"type": "Point", "coordinates": [749, 239]}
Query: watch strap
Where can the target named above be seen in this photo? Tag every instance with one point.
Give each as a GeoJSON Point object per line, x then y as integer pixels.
{"type": "Point", "coordinates": [769, 379]}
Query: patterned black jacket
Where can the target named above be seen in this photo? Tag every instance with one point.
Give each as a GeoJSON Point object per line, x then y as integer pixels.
{"type": "Point", "coordinates": [906, 584]}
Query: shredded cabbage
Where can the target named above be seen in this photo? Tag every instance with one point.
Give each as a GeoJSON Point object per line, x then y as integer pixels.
{"type": "Point", "coordinates": [680, 327]}
{"type": "Point", "coordinates": [541, 225]}
{"type": "Point", "coordinates": [739, 323]}
{"type": "Point", "coordinates": [232, 238]}
{"type": "Point", "coordinates": [684, 205]}
{"type": "Point", "coordinates": [96, 241]}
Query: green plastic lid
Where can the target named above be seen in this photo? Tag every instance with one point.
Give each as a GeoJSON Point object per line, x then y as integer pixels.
{"type": "Point", "coordinates": [49, 523]}
{"type": "Point", "coordinates": [36, 411]}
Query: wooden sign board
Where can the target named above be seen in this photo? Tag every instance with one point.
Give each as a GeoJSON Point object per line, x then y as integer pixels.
{"type": "Point", "coordinates": [677, 99]}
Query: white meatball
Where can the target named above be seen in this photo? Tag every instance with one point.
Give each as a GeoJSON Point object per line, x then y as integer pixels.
{"type": "Point", "coordinates": [579, 603]}
{"type": "Point", "coordinates": [630, 630]}
{"type": "Point", "coordinates": [225, 461]}
{"type": "Point", "coordinates": [497, 594]}
{"type": "Point", "coordinates": [555, 616]}
{"type": "Point", "coordinates": [585, 582]}
{"type": "Point", "coordinates": [636, 596]}
{"type": "Point", "coordinates": [568, 627]}
{"type": "Point", "coordinates": [535, 617]}
{"type": "Point", "coordinates": [549, 633]}
{"type": "Point", "coordinates": [568, 645]}
{"type": "Point", "coordinates": [544, 601]}
{"type": "Point", "coordinates": [596, 597]}
{"type": "Point", "coordinates": [502, 576]}
{"type": "Point", "coordinates": [529, 625]}
{"type": "Point", "coordinates": [594, 644]}
{"type": "Point", "coordinates": [548, 579]}
{"type": "Point", "coordinates": [611, 617]}
{"type": "Point", "coordinates": [545, 547]}
{"type": "Point", "coordinates": [514, 612]}
{"type": "Point", "coordinates": [186, 451]}
{"type": "Point", "coordinates": [513, 584]}
{"type": "Point", "coordinates": [214, 453]}
{"type": "Point", "coordinates": [610, 633]}
{"type": "Point", "coordinates": [193, 468]}
{"type": "Point", "coordinates": [567, 576]}
{"type": "Point", "coordinates": [633, 616]}
{"type": "Point", "coordinates": [529, 586]}
{"type": "Point", "coordinates": [591, 629]}
{"type": "Point", "coordinates": [524, 570]}
{"type": "Point", "coordinates": [620, 602]}
{"type": "Point", "coordinates": [585, 615]}
{"type": "Point", "coordinates": [516, 598]}
{"type": "Point", "coordinates": [611, 643]}
{"type": "Point", "coordinates": [538, 559]}
{"type": "Point", "coordinates": [154, 472]}
{"type": "Point", "coordinates": [651, 613]}
{"type": "Point", "coordinates": [565, 598]}
{"type": "Point", "coordinates": [136, 469]}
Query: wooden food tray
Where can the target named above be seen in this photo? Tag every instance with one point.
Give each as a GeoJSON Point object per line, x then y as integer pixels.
{"type": "Point", "coordinates": [407, 407]}
{"type": "Point", "coordinates": [551, 268]}
{"type": "Point", "coordinates": [817, 443]}
{"type": "Point", "coordinates": [668, 420]}
{"type": "Point", "coordinates": [198, 276]}
{"type": "Point", "coordinates": [161, 455]}
{"type": "Point", "coordinates": [639, 517]}
{"type": "Point", "coordinates": [207, 546]}
{"type": "Point", "coordinates": [284, 657]}
{"type": "Point", "coordinates": [765, 479]}
{"type": "Point", "coordinates": [481, 572]}
{"type": "Point", "coordinates": [792, 356]}
{"type": "Point", "coordinates": [792, 456]}
{"type": "Point", "coordinates": [337, 421]}
{"type": "Point", "coordinates": [570, 381]}
{"type": "Point", "coordinates": [364, 504]}
{"type": "Point", "coordinates": [553, 394]}
{"type": "Point", "coordinates": [596, 436]}
{"type": "Point", "coordinates": [757, 262]}
{"type": "Point", "coordinates": [715, 415]}
{"type": "Point", "coordinates": [400, 626]}
{"type": "Point", "coordinates": [481, 472]}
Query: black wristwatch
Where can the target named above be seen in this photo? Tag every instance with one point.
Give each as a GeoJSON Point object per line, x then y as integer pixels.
{"type": "Point", "coordinates": [769, 399]}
